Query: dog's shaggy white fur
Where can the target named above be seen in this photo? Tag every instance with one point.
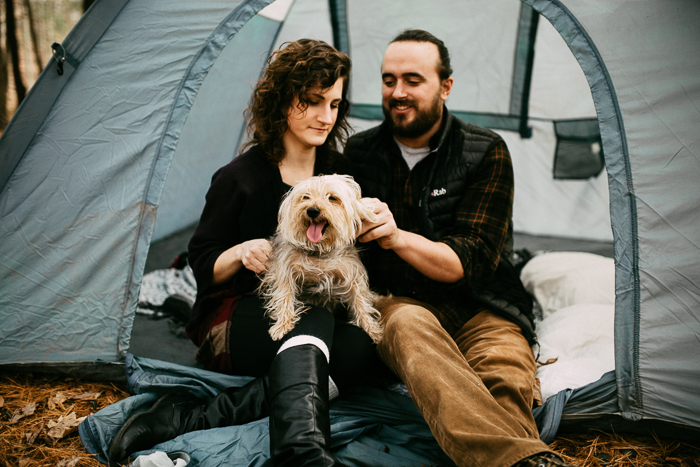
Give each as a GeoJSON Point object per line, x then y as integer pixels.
{"type": "Point", "coordinates": [314, 259]}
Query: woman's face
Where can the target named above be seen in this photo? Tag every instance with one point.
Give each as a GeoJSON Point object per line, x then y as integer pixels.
{"type": "Point", "coordinates": [310, 127]}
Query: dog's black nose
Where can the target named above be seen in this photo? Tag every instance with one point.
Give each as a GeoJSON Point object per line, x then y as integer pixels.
{"type": "Point", "coordinates": [313, 212]}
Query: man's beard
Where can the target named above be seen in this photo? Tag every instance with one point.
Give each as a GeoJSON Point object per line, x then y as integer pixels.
{"type": "Point", "coordinates": [421, 124]}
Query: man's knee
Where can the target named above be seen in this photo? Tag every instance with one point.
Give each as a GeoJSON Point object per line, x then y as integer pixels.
{"type": "Point", "coordinates": [402, 316]}
{"type": "Point", "coordinates": [410, 333]}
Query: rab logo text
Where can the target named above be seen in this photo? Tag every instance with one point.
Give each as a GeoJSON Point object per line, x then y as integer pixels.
{"type": "Point", "coordinates": [438, 192]}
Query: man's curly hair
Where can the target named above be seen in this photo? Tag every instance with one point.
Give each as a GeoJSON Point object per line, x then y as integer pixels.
{"type": "Point", "coordinates": [293, 71]}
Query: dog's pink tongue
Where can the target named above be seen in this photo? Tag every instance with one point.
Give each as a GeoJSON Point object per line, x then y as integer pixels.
{"type": "Point", "coordinates": [315, 232]}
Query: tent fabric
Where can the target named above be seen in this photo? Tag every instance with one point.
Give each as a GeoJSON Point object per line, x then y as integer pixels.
{"type": "Point", "coordinates": [34, 108]}
{"type": "Point", "coordinates": [369, 426]}
{"type": "Point", "coordinates": [100, 189]}
{"type": "Point", "coordinates": [118, 150]}
{"type": "Point", "coordinates": [656, 248]}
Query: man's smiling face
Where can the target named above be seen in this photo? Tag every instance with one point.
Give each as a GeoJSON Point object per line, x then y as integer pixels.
{"type": "Point", "coordinates": [412, 92]}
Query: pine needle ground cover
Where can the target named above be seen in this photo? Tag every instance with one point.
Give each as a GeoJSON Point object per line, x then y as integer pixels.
{"type": "Point", "coordinates": [39, 417]}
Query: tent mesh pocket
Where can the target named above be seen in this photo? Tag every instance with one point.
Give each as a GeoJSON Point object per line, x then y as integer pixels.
{"type": "Point", "coordinates": [579, 153]}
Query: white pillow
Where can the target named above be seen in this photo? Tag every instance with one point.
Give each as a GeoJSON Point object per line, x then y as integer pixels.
{"type": "Point", "coordinates": [581, 338]}
{"type": "Point", "coordinates": [561, 279]}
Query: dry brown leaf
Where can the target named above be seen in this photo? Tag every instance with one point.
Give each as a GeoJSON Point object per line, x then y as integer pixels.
{"type": "Point", "coordinates": [25, 411]}
{"type": "Point", "coordinates": [25, 462]}
{"type": "Point", "coordinates": [64, 425]}
{"type": "Point", "coordinates": [2, 401]}
{"type": "Point", "coordinates": [58, 399]}
{"type": "Point", "coordinates": [31, 436]}
{"type": "Point", "coordinates": [68, 462]}
{"type": "Point", "coordinates": [549, 361]}
{"type": "Point", "coordinates": [87, 396]}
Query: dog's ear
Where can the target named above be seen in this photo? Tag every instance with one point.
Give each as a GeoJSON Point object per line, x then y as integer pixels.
{"type": "Point", "coordinates": [365, 211]}
{"type": "Point", "coordinates": [349, 182]}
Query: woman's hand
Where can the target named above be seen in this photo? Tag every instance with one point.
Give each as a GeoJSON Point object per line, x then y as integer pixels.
{"type": "Point", "coordinates": [254, 254]}
{"type": "Point", "coordinates": [251, 255]}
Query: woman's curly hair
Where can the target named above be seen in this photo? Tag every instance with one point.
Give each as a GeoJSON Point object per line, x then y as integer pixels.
{"type": "Point", "coordinates": [293, 71]}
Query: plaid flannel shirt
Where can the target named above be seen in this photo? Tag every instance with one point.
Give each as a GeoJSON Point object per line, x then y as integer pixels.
{"type": "Point", "coordinates": [482, 222]}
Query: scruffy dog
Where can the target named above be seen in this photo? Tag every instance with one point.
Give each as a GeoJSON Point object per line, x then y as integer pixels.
{"type": "Point", "coordinates": [314, 259]}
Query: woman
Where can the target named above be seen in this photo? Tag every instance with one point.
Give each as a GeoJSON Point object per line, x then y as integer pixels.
{"type": "Point", "coordinates": [297, 115]}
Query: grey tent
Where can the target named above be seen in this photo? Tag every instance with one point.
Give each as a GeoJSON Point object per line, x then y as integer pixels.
{"type": "Point", "coordinates": [115, 144]}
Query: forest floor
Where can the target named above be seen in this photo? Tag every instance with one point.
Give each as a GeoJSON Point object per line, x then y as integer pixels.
{"type": "Point", "coordinates": [39, 416]}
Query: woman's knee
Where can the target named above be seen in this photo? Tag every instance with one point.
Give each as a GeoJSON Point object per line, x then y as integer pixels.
{"type": "Point", "coordinates": [353, 356]}
{"type": "Point", "coordinates": [316, 321]}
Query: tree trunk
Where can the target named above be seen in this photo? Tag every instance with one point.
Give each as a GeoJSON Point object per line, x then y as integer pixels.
{"type": "Point", "coordinates": [34, 36]}
{"type": "Point", "coordinates": [3, 89]}
{"type": "Point", "coordinates": [14, 49]}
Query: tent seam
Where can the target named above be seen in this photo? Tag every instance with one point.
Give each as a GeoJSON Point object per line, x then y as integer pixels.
{"type": "Point", "coordinates": [637, 393]}
{"type": "Point", "coordinates": [237, 13]}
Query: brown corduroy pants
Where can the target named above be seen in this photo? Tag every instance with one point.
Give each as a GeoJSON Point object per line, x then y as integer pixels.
{"type": "Point", "coordinates": [474, 389]}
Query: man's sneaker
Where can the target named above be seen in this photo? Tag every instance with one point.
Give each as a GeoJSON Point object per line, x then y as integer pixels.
{"type": "Point", "coordinates": [543, 460]}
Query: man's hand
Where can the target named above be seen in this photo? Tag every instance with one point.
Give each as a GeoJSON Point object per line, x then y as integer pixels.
{"type": "Point", "coordinates": [435, 260]}
{"type": "Point", "coordinates": [384, 231]}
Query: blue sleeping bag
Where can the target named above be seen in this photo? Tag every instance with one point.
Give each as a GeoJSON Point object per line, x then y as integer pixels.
{"type": "Point", "coordinates": [370, 426]}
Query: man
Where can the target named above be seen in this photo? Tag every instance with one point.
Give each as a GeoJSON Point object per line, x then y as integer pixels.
{"type": "Point", "coordinates": [458, 327]}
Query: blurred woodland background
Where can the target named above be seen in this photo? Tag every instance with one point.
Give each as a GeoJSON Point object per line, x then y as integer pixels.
{"type": "Point", "coordinates": [27, 30]}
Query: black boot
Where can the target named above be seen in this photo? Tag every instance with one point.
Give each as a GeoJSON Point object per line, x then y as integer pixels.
{"type": "Point", "coordinates": [299, 422]}
{"type": "Point", "coordinates": [173, 415]}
